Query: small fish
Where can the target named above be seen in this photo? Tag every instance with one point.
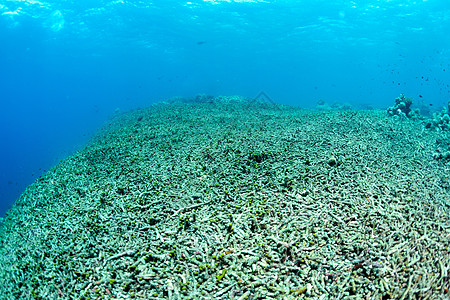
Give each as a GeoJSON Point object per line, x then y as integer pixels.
{"type": "Point", "coordinates": [420, 96]}
{"type": "Point", "coordinates": [201, 42]}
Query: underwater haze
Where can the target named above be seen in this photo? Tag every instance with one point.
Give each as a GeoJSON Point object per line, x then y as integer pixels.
{"type": "Point", "coordinates": [66, 66]}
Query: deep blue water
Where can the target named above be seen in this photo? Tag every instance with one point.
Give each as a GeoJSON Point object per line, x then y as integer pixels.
{"type": "Point", "coordinates": [65, 66]}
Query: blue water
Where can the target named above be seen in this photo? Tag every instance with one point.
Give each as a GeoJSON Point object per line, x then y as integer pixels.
{"type": "Point", "coordinates": [65, 66]}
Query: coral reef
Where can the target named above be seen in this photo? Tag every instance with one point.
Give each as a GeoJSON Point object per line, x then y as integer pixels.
{"type": "Point", "coordinates": [236, 199]}
{"type": "Point", "coordinates": [402, 108]}
{"type": "Point", "coordinates": [439, 155]}
{"type": "Point", "coordinates": [439, 121]}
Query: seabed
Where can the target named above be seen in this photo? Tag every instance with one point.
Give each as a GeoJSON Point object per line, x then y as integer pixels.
{"type": "Point", "coordinates": [232, 198]}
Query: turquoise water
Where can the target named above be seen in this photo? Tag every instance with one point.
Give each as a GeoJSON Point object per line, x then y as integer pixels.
{"type": "Point", "coordinates": [65, 66]}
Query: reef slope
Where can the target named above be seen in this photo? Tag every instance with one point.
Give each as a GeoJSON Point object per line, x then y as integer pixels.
{"type": "Point", "coordinates": [228, 197]}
